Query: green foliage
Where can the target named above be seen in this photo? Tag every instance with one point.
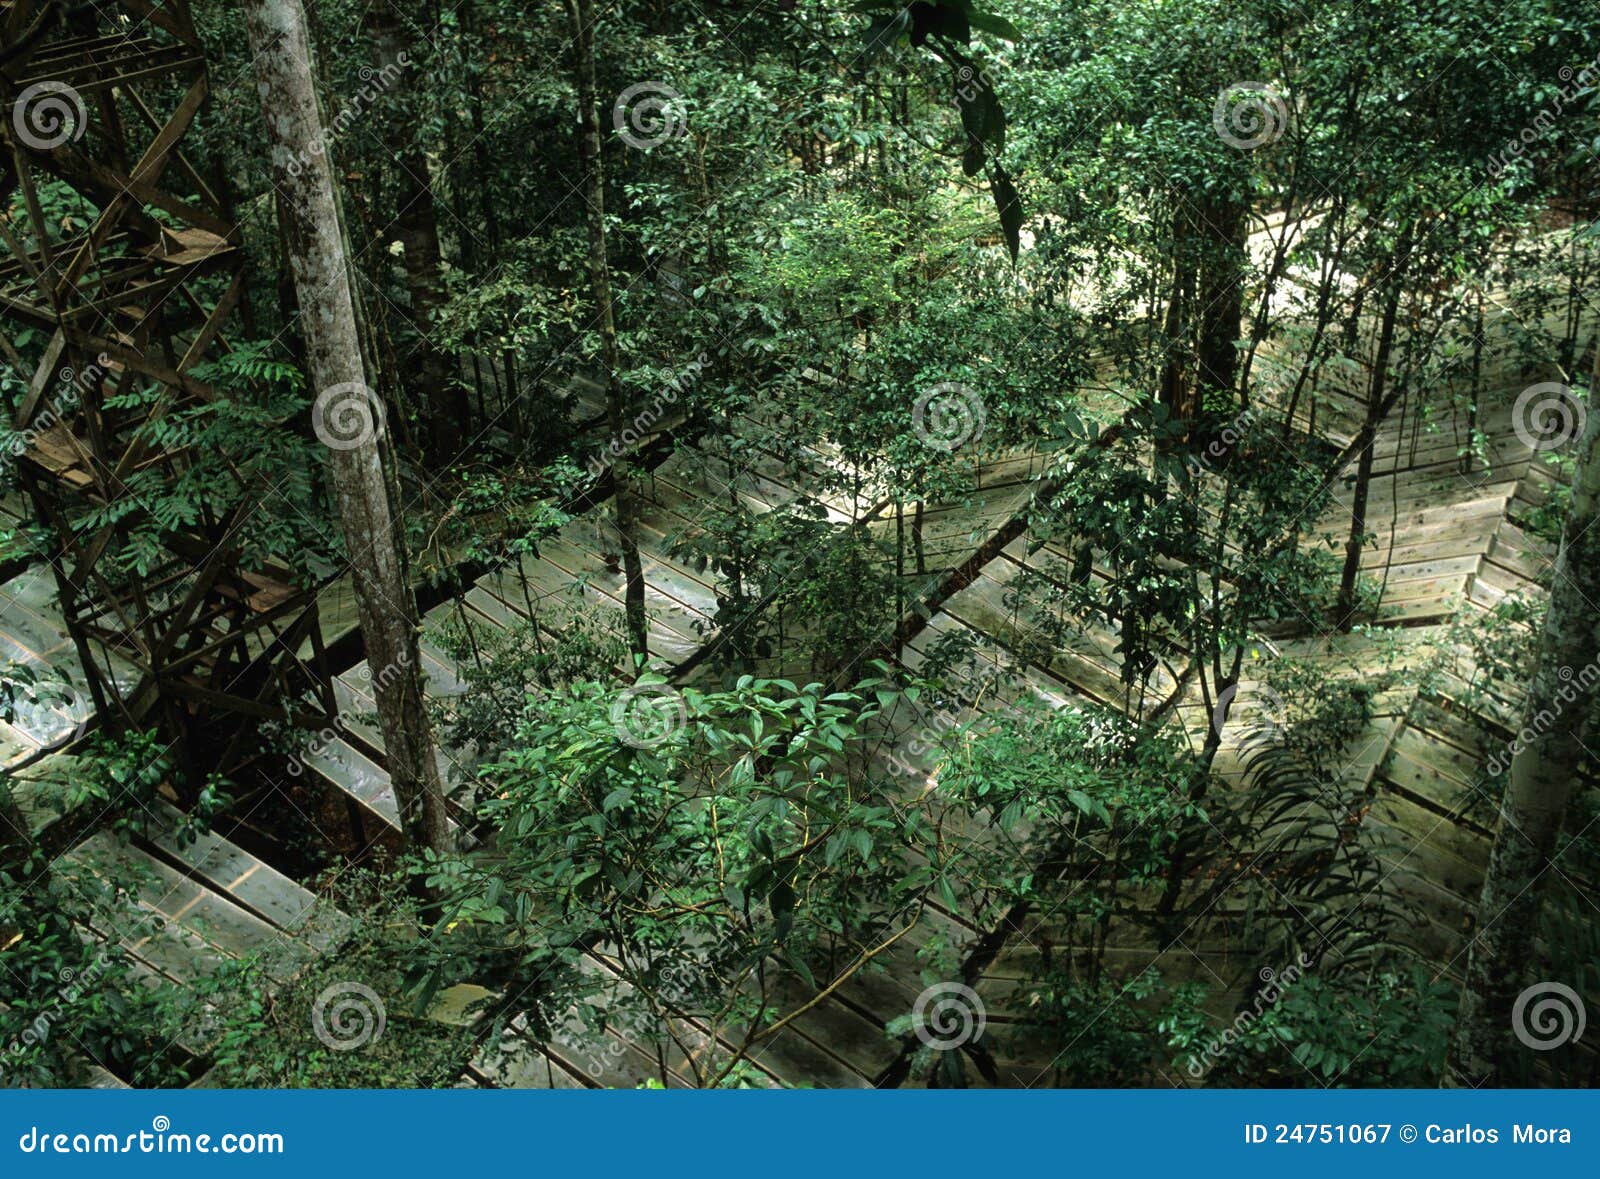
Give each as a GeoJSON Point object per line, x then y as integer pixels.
{"type": "Point", "coordinates": [1067, 789]}
{"type": "Point", "coordinates": [729, 838]}
{"type": "Point", "coordinates": [118, 777]}
{"type": "Point", "coordinates": [28, 693]}
{"type": "Point", "coordinates": [72, 1002]}
{"type": "Point", "coordinates": [1102, 1034]}
{"type": "Point", "coordinates": [238, 456]}
{"type": "Point", "coordinates": [1386, 1029]}
{"type": "Point", "coordinates": [75, 998]}
{"type": "Point", "coordinates": [833, 260]}
{"type": "Point", "coordinates": [505, 671]}
{"type": "Point", "coordinates": [1312, 886]}
{"type": "Point", "coordinates": [284, 1023]}
{"type": "Point", "coordinates": [1171, 346]}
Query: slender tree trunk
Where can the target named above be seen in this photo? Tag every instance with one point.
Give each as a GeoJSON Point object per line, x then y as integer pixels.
{"type": "Point", "coordinates": [1177, 378]}
{"type": "Point", "coordinates": [1543, 768]}
{"type": "Point", "coordinates": [1377, 408]}
{"type": "Point", "coordinates": [1322, 318]}
{"type": "Point", "coordinates": [1221, 319]}
{"type": "Point", "coordinates": [511, 398]}
{"type": "Point", "coordinates": [372, 329]}
{"type": "Point", "coordinates": [416, 225]}
{"type": "Point", "coordinates": [16, 839]}
{"type": "Point", "coordinates": [581, 14]}
{"type": "Point", "coordinates": [347, 412]}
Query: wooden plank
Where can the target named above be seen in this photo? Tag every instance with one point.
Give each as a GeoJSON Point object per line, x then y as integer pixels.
{"type": "Point", "coordinates": [353, 773]}
{"type": "Point", "coordinates": [256, 886]}
{"type": "Point", "coordinates": [517, 1064]}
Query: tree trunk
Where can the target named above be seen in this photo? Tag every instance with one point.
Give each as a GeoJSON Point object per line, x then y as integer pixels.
{"type": "Point", "coordinates": [1543, 767]}
{"type": "Point", "coordinates": [347, 415]}
{"type": "Point", "coordinates": [1378, 406]}
{"type": "Point", "coordinates": [1177, 383]}
{"type": "Point", "coordinates": [16, 840]}
{"type": "Point", "coordinates": [416, 225]}
{"type": "Point", "coordinates": [581, 15]}
{"type": "Point", "coordinates": [1223, 266]}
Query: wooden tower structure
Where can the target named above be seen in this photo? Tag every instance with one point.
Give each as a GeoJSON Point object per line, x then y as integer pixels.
{"type": "Point", "coordinates": [106, 310]}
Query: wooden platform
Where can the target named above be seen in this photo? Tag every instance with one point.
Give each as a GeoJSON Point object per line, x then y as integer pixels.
{"type": "Point", "coordinates": [1444, 541]}
{"type": "Point", "coordinates": [196, 905]}
{"type": "Point", "coordinates": [1449, 543]}
{"type": "Point", "coordinates": [577, 571]}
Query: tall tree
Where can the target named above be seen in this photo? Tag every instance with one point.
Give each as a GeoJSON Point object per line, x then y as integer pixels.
{"type": "Point", "coordinates": [1542, 774]}
{"type": "Point", "coordinates": [16, 835]}
{"type": "Point", "coordinates": [1377, 409]}
{"type": "Point", "coordinates": [416, 226]}
{"type": "Point", "coordinates": [581, 15]}
{"type": "Point", "coordinates": [384, 599]}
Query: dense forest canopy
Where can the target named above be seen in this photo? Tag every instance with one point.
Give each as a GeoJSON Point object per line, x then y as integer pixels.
{"type": "Point", "coordinates": [799, 543]}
